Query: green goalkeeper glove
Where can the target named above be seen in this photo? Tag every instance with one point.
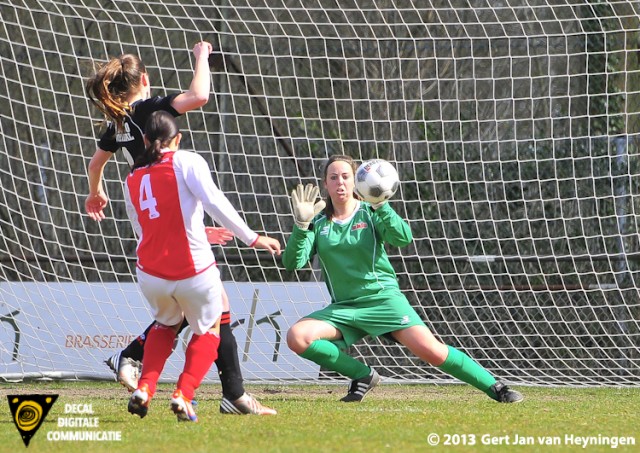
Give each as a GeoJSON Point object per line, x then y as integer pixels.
{"type": "Point", "coordinates": [305, 206]}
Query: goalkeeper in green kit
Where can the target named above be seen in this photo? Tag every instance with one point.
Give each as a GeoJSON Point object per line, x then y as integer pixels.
{"type": "Point", "coordinates": [348, 235]}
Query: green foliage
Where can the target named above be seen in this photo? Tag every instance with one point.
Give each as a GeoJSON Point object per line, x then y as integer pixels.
{"type": "Point", "coordinates": [606, 98]}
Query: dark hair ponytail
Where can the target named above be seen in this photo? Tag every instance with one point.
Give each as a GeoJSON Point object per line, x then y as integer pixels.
{"type": "Point", "coordinates": [111, 84]}
{"type": "Point", "coordinates": [160, 129]}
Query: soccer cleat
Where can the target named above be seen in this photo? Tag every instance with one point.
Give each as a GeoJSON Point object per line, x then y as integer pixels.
{"type": "Point", "coordinates": [182, 407]}
{"type": "Point", "coordinates": [139, 401]}
{"type": "Point", "coordinates": [112, 362]}
{"type": "Point", "coordinates": [126, 369]}
{"type": "Point", "coordinates": [504, 394]}
{"type": "Point", "coordinates": [245, 405]}
{"type": "Point", "coordinates": [360, 387]}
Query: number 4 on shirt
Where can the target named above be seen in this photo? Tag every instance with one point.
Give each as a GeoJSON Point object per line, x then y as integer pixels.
{"type": "Point", "coordinates": [147, 200]}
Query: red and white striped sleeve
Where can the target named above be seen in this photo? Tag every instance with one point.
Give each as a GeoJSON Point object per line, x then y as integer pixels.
{"type": "Point", "coordinates": [197, 176]}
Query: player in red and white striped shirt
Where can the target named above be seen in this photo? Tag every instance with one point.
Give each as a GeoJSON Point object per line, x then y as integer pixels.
{"type": "Point", "coordinates": [167, 194]}
{"type": "Point", "coordinates": [121, 89]}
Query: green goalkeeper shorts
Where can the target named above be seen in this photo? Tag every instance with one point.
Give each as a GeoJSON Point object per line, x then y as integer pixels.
{"type": "Point", "coordinates": [374, 316]}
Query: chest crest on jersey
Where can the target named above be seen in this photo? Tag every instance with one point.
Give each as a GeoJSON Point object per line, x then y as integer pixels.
{"type": "Point", "coordinates": [359, 226]}
{"type": "Point", "coordinates": [324, 231]}
{"type": "Point", "coordinates": [124, 136]}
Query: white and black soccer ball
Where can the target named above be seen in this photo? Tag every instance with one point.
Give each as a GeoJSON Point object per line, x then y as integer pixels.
{"type": "Point", "coordinates": [376, 181]}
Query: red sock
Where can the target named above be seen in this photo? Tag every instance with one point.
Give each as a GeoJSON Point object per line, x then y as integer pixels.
{"type": "Point", "coordinates": [225, 318]}
{"type": "Point", "coordinates": [201, 352]}
{"type": "Point", "coordinates": [157, 350]}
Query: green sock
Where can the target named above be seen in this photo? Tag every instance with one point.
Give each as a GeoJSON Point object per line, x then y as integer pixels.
{"type": "Point", "coordinates": [461, 366]}
{"type": "Point", "coordinates": [327, 354]}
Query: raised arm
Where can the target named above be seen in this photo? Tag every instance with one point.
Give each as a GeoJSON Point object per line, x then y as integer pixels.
{"type": "Point", "coordinates": [394, 230]}
{"type": "Point", "coordinates": [305, 207]}
{"type": "Point", "coordinates": [299, 249]}
{"type": "Point", "coordinates": [198, 93]}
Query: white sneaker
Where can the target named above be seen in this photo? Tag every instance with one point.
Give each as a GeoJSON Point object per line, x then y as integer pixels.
{"type": "Point", "coordinates": [126, 369]}
{"type": "Point", "coordinates": [182, 408]}
{"type": "Point", "coordinates": [139, 401]}
{"type": "Point", "coordinates": [245, 405]}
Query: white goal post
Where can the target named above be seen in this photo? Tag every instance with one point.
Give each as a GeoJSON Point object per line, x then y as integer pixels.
{"type": "Point", "coordinates": [514, 127]}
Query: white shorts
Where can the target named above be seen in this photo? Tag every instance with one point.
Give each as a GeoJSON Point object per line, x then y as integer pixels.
{"type": "Point", "coordinates": [198, 299]}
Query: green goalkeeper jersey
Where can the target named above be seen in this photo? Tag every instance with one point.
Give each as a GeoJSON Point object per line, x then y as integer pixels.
{"type": "Point", "coordinates": [354, 262]}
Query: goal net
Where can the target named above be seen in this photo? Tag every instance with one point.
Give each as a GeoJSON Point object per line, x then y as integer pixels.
{"type": "Point", "coordinates": [514, 127]}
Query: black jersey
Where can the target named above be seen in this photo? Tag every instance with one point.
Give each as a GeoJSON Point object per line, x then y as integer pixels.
{"type": "Point", "coordinates": [131, 137]}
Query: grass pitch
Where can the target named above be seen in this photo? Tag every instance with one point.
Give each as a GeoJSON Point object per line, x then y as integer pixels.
{"type": "Point", "coordinates": [394, 418]}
